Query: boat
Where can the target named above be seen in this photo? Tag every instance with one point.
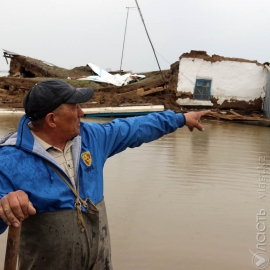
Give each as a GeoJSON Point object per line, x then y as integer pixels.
{"type": "Point", "coordinates": [122, 111]}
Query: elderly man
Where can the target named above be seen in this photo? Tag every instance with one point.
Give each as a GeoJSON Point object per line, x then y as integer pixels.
{"type": "Point", "coordinates": [51, 175]}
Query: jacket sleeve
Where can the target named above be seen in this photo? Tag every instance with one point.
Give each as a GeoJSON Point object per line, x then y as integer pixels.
{"type": "Point", "coordinates": [6, 186]}
{"type": "Point", "coordinates": [116, 136]}
{"type": "Point", "coordinates": [3, 226]}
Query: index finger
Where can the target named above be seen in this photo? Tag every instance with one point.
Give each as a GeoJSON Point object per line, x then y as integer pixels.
{"type": "Point", "coordinates": [199, 126]}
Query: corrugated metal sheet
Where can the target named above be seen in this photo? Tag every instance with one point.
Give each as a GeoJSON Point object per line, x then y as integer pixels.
{"type": "Point", "coordinates": [266, 106]}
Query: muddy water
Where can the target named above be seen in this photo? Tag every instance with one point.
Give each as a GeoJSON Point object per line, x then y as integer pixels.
{"type": "Point", "coordinates": [187, 201]}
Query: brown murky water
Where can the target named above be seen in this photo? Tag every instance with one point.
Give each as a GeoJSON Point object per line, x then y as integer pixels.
{"type": "Point", "coordinates": [189, 200]}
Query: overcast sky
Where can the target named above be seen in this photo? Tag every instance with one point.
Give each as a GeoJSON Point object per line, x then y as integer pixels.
{"type": "Point", "coordinates": [73, 33]}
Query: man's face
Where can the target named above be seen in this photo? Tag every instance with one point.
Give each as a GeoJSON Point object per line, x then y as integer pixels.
{"type": "Point", "coordinates": [68, 116]}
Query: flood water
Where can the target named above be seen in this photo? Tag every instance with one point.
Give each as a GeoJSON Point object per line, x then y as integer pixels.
{"type": "Point", "coordinates": [189, 200]}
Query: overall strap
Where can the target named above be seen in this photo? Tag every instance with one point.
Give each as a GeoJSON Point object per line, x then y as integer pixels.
{"type": "Point", "coordinates": [87, 203]}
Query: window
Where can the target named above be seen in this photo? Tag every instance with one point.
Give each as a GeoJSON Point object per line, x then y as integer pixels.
{"type": "Point", "coordinates": [202, 89]}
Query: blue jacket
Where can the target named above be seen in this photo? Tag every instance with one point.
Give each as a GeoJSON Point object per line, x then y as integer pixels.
{"type": "Point", "coordinates": [23, 163]}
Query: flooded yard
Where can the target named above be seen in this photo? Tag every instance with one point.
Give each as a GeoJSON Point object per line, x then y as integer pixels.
{"type": "Point", "coordinates": [189, 200]}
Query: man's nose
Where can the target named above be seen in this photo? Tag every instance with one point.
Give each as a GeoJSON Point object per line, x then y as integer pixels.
{"type": "Point", "coordinates": [80, 111]}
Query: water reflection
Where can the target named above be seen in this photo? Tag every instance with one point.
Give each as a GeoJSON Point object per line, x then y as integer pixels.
{"type": "Point", "coordinates": [187, 201]}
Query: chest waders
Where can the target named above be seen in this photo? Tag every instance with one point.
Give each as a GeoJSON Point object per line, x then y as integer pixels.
{"type": "Point", "coordinates": [67, 239]}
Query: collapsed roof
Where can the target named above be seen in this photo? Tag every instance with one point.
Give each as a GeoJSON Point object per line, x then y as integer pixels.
{"type": "Point", "coordinates": [27, 67]}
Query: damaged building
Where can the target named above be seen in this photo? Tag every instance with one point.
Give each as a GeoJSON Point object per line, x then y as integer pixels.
{"type": "Point", "coordinates": [27, 67]}
{"type": "Point", "coordinates": [220, 82]}
{"type": "Point", "coordinates": [111, 90]}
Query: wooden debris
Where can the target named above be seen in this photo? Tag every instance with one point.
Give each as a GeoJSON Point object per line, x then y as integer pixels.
{"type": "Point", "coordinates": [236, 117]}
{"type": "Point", "coordinates": [129, 94]}
{"type": "Point", "coordinates": [141, 92]}
{"type": "Point", "coordinates": [235, 113]}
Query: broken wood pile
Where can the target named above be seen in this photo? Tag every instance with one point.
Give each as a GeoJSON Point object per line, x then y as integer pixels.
{"type": "Point", "coordinates": [233, 116]}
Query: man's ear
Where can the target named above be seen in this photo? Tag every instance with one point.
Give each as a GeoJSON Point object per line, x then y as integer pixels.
{"type": "Point", "coordinates": [50, 120]}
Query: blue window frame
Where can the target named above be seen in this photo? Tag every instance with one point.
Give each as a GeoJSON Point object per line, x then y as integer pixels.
{"type": "Point", "coordinates": [202, 89]}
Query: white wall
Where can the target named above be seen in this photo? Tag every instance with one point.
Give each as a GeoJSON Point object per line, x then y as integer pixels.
{"type": "Point", "coordinates": [267, 97]}
{"type": "Point", "coordinates": [230, 79]}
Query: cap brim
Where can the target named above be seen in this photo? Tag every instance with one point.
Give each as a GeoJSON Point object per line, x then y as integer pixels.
{"type": "Point", "coordinates": [81, 95]}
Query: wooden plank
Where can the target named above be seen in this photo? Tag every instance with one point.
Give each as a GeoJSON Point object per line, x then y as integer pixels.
{"type": "Point", "coordinates": [235, 113]}
{"type": "Point", "coordinates": [129, 94]}
{"type": "Point", "coordinates": [141, 92]}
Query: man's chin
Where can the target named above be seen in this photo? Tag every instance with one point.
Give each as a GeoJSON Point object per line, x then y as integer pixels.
{"type": "Point", "coordinates": [77, 132]}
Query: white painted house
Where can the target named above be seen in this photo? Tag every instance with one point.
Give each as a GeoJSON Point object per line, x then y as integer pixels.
{"type": "Point", "coordinates": [220, 82]}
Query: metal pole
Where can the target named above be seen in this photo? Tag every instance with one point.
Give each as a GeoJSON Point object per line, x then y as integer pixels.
{"type": "Point", "coordinates": [150, 41]}
{"type": "Point", "coordinates": [124, 39]}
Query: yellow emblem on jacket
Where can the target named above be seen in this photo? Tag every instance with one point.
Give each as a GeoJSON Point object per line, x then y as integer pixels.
{"type": "Point", "coordinates": [87, 159]}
